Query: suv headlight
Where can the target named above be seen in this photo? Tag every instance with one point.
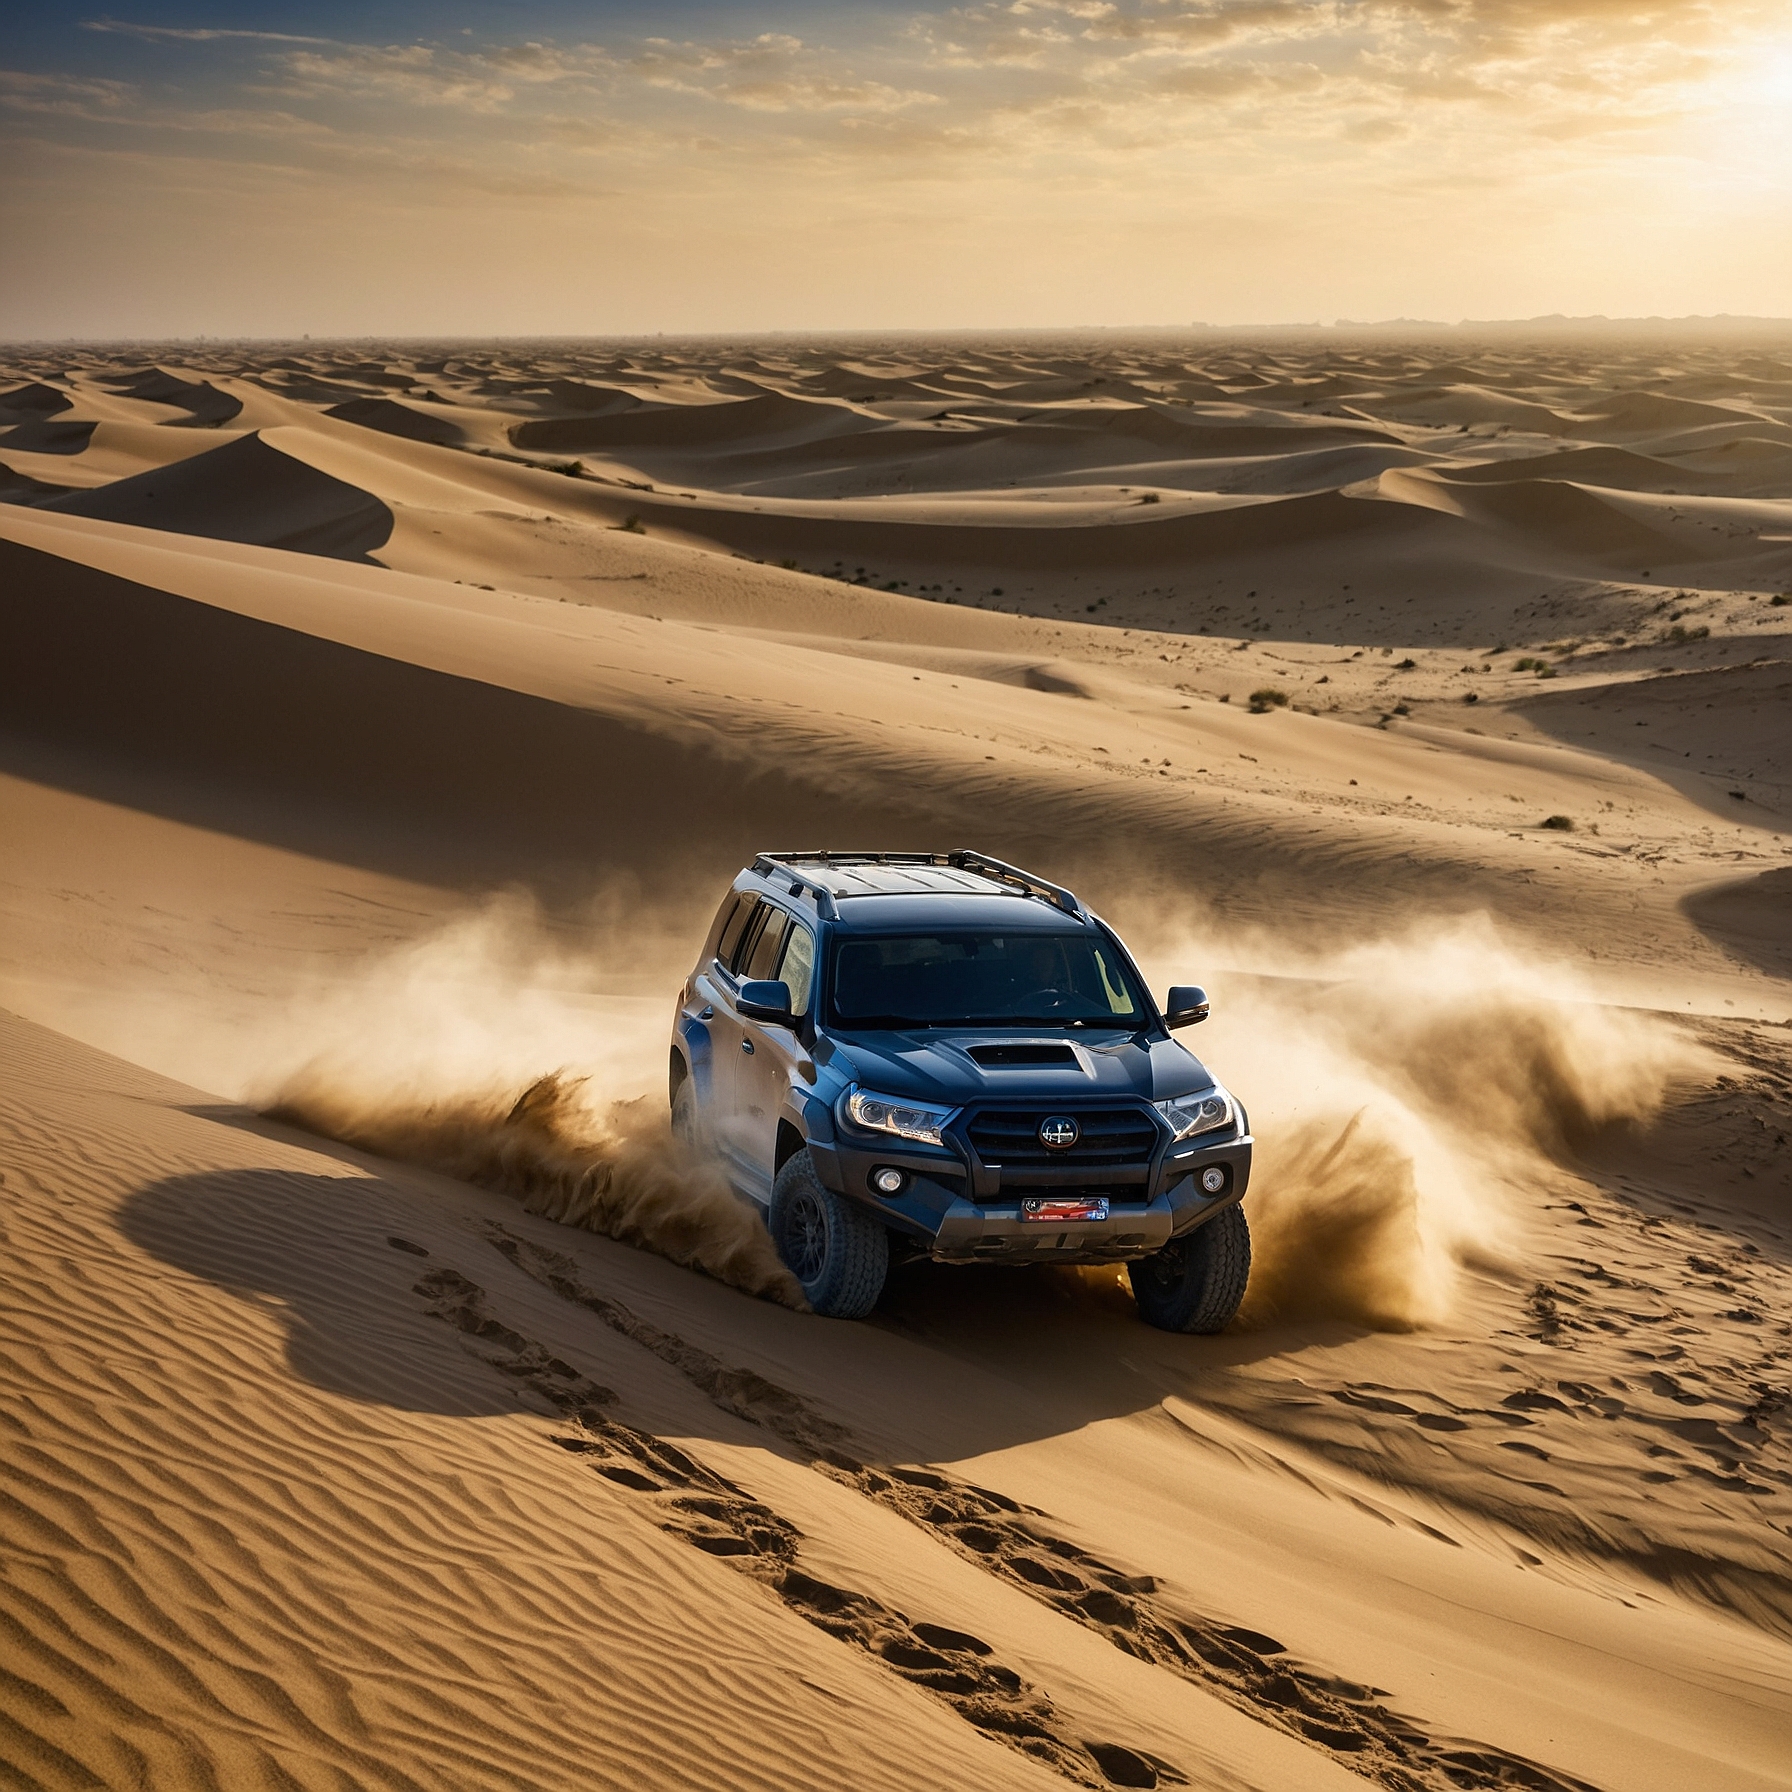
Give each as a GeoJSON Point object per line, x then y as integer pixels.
{"type": "Point", "coordinates": [917, 1120]}
{"type": "Point", "coordinates": [1207, 1110]}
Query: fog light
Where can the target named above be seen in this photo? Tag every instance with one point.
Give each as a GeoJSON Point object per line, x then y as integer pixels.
{"type": "Point", "coordinates": [1213, 1179]}
{"type": "Point", "coordinates": [888, 1181]}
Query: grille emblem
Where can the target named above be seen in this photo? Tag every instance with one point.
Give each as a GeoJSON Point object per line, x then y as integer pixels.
{"type": "Point", "coordinates": [1058, 1132]}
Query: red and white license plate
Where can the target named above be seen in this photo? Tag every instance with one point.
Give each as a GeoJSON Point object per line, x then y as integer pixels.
{"type": "Point", "coordinates": [1064, 1207]}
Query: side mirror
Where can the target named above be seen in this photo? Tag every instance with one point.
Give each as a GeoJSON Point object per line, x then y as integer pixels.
{"type": "Point", "coordinates": [1185, 1005]}
{"type": "Point", "coordinates": [766, 999]}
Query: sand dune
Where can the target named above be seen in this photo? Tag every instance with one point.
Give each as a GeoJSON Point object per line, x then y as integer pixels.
{"type": "Point", "coordinates": [395, 419]}
{"type": "Point", "coordinates": [771, 416]}
{"type": "Point", "coordinates": [35, 399]}
{"type": "Point", "coordinates": [203, 403]}
{"type": "Point", "coordinates": [1616, 467]}
{"type": "Point", "coordinates": [1655, 414]}
{"type": "Point", "coordinates": [1573, 519]}
{"type": "Point", "coordinates": [246, 490]}
{"type": "Point", "coordinates": [378, 725]}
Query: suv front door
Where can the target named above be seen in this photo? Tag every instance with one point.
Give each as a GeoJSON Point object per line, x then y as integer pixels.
{"type": "Point", "coordinates": [765, 1072]}
{"type": "Point", "coordinates": [739, 1101]}
{"type": "Point", "coordinates": [711, 1007]}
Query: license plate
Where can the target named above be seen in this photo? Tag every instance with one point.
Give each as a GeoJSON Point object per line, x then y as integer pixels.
{"type": "Point", "coordinates": [1064, 1207]}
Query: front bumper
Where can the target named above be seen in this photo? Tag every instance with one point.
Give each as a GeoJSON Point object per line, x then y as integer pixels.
{"type": "Point", "coordinates": [971, 1232]}
{"type": "Point", "coordinates": [948, 1217]}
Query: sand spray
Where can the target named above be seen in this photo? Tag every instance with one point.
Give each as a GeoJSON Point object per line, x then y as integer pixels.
{"type": "Point", "coordinates": [508, 1053]}
{"type": "Point", "coordinates": [1409, 1095]}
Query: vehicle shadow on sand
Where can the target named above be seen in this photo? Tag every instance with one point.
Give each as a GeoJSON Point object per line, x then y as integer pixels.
{"type": "Point", "coordinates": [957, 1362]}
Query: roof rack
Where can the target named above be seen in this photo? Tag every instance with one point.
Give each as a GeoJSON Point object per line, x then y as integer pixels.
{"type": "Point", "coordinates": [768, 862]}
{"type": "Point", "coordinates": [963, 859]}
{"type": "Point", "coordinates": [1012, 874]}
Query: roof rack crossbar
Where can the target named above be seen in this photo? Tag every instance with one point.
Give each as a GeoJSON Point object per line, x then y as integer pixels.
{"type": "Point", "coordinates": [768, 862]}
{"type": "Point", "coordinates": [962, 859]}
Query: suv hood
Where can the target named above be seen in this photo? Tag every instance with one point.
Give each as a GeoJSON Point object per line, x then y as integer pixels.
{"type": "Point", "coordinates": [941, 1065]}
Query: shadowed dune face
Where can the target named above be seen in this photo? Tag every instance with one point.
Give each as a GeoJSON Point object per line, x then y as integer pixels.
{"type": "Point", "coordinates": [327, 749]}
{"type": "Point", "coordinates": [49, 437]}
{"type": "Point", "coordinates": [35, 399]}
{"type": "Point", "coordinates": [245, 491]}
{"type": "Point", "coordinates": [1751, 918]}
{"type": "Point", "coordinates": [205, 405]}
{"type": "Point", "coordinates": [394, 419]}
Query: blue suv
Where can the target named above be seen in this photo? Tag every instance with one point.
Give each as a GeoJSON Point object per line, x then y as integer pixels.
{"type": "Point", "coordinates": [900, 1055]}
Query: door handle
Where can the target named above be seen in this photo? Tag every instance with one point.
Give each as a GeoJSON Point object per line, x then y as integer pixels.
{"type": "Point", "coordinates": [746, 1045]}
{"type": "Point", "coordinates": [706, 1013]}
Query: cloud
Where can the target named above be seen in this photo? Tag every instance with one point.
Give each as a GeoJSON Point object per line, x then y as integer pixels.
{"type": "Point", "coordinates": [819, 94]}
{"type": "Point", "coordinates": [770, 73]}
{"type": "Point", "coordinates": [1362, 71]}
{"type": "Point", "coordinates": [426, 75]}
{"type": "Point", "coordinates": [199, 34]}
{"type": "Point", "coordinates": [70, 96]}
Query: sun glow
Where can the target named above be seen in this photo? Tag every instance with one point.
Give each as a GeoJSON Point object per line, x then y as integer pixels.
{"type": "Point", "coordinates": [1771, 75]}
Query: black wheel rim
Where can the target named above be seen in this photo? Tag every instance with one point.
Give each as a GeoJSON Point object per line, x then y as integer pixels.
{"type": "Point", "coordinates": [1164, 1270]}
{"type": "Point", "coordinates": [806, 1238]}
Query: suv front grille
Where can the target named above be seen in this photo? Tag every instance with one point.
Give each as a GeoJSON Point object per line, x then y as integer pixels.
{"type": "Point", "coordinates": [1110, 1137]}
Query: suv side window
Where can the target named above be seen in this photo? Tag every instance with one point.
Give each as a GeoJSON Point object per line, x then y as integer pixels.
{"type": "Point", "coordinates": [797, 967]}
{"type": "Point", "coordinates": [763, 954]}
{"type": "Point", "coordinates": [733, 929]}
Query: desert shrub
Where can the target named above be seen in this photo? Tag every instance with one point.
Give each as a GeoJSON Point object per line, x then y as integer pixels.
{"type": "Point", "coordinates": [1563, 824]}
{"type": "Point", "coordinates": [1266, 699]}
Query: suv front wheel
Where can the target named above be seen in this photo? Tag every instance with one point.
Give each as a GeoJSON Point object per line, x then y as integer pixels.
{"type": "Point", "coordinates": [833, 1247]}
{"type": "Point", "coordinates": [1196, 1283]}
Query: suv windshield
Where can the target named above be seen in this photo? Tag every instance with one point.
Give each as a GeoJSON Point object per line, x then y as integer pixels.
{"type": "Point", "coordinates": [983, 979]}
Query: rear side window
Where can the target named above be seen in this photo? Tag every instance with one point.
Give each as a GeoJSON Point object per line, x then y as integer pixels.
{"type": "Point", "coordinates": [797, 968]}
{"type": "Point", "coordinates": [733, 928]}
{"type": "Point", "coordinates": [762, 955]}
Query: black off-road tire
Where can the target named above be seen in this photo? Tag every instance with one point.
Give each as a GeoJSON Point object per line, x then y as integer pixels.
{"type": "Point", "coordinates": [687, 1123]}
{"type": "Point", "coordinates": [1196, 1283]}
{"type": "Point", "coordinates": [837, 1250]}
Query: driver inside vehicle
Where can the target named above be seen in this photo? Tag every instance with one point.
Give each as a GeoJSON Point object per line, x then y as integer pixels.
{"type": "Point", "coordinates": [1040, 977]}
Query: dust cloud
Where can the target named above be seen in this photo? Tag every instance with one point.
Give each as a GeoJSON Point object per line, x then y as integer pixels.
{"type": "Point", "coordinates": [497, 1051]}
{"type": "Point", "coordinates": [1411, 1099]}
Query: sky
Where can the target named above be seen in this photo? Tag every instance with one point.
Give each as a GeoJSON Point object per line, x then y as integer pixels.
{"type": "Point", "coordinates": [540, 167]}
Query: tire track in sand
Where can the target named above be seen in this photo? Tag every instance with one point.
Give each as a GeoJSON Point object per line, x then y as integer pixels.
{"type": "Point", "coordinates": [711, 1513]}
{"type": "Point", "coordinates": [1249, 1670]}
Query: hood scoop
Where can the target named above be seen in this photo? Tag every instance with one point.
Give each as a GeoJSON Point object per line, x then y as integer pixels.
{"type": "Point", "coordinates": [1020, 1057]}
